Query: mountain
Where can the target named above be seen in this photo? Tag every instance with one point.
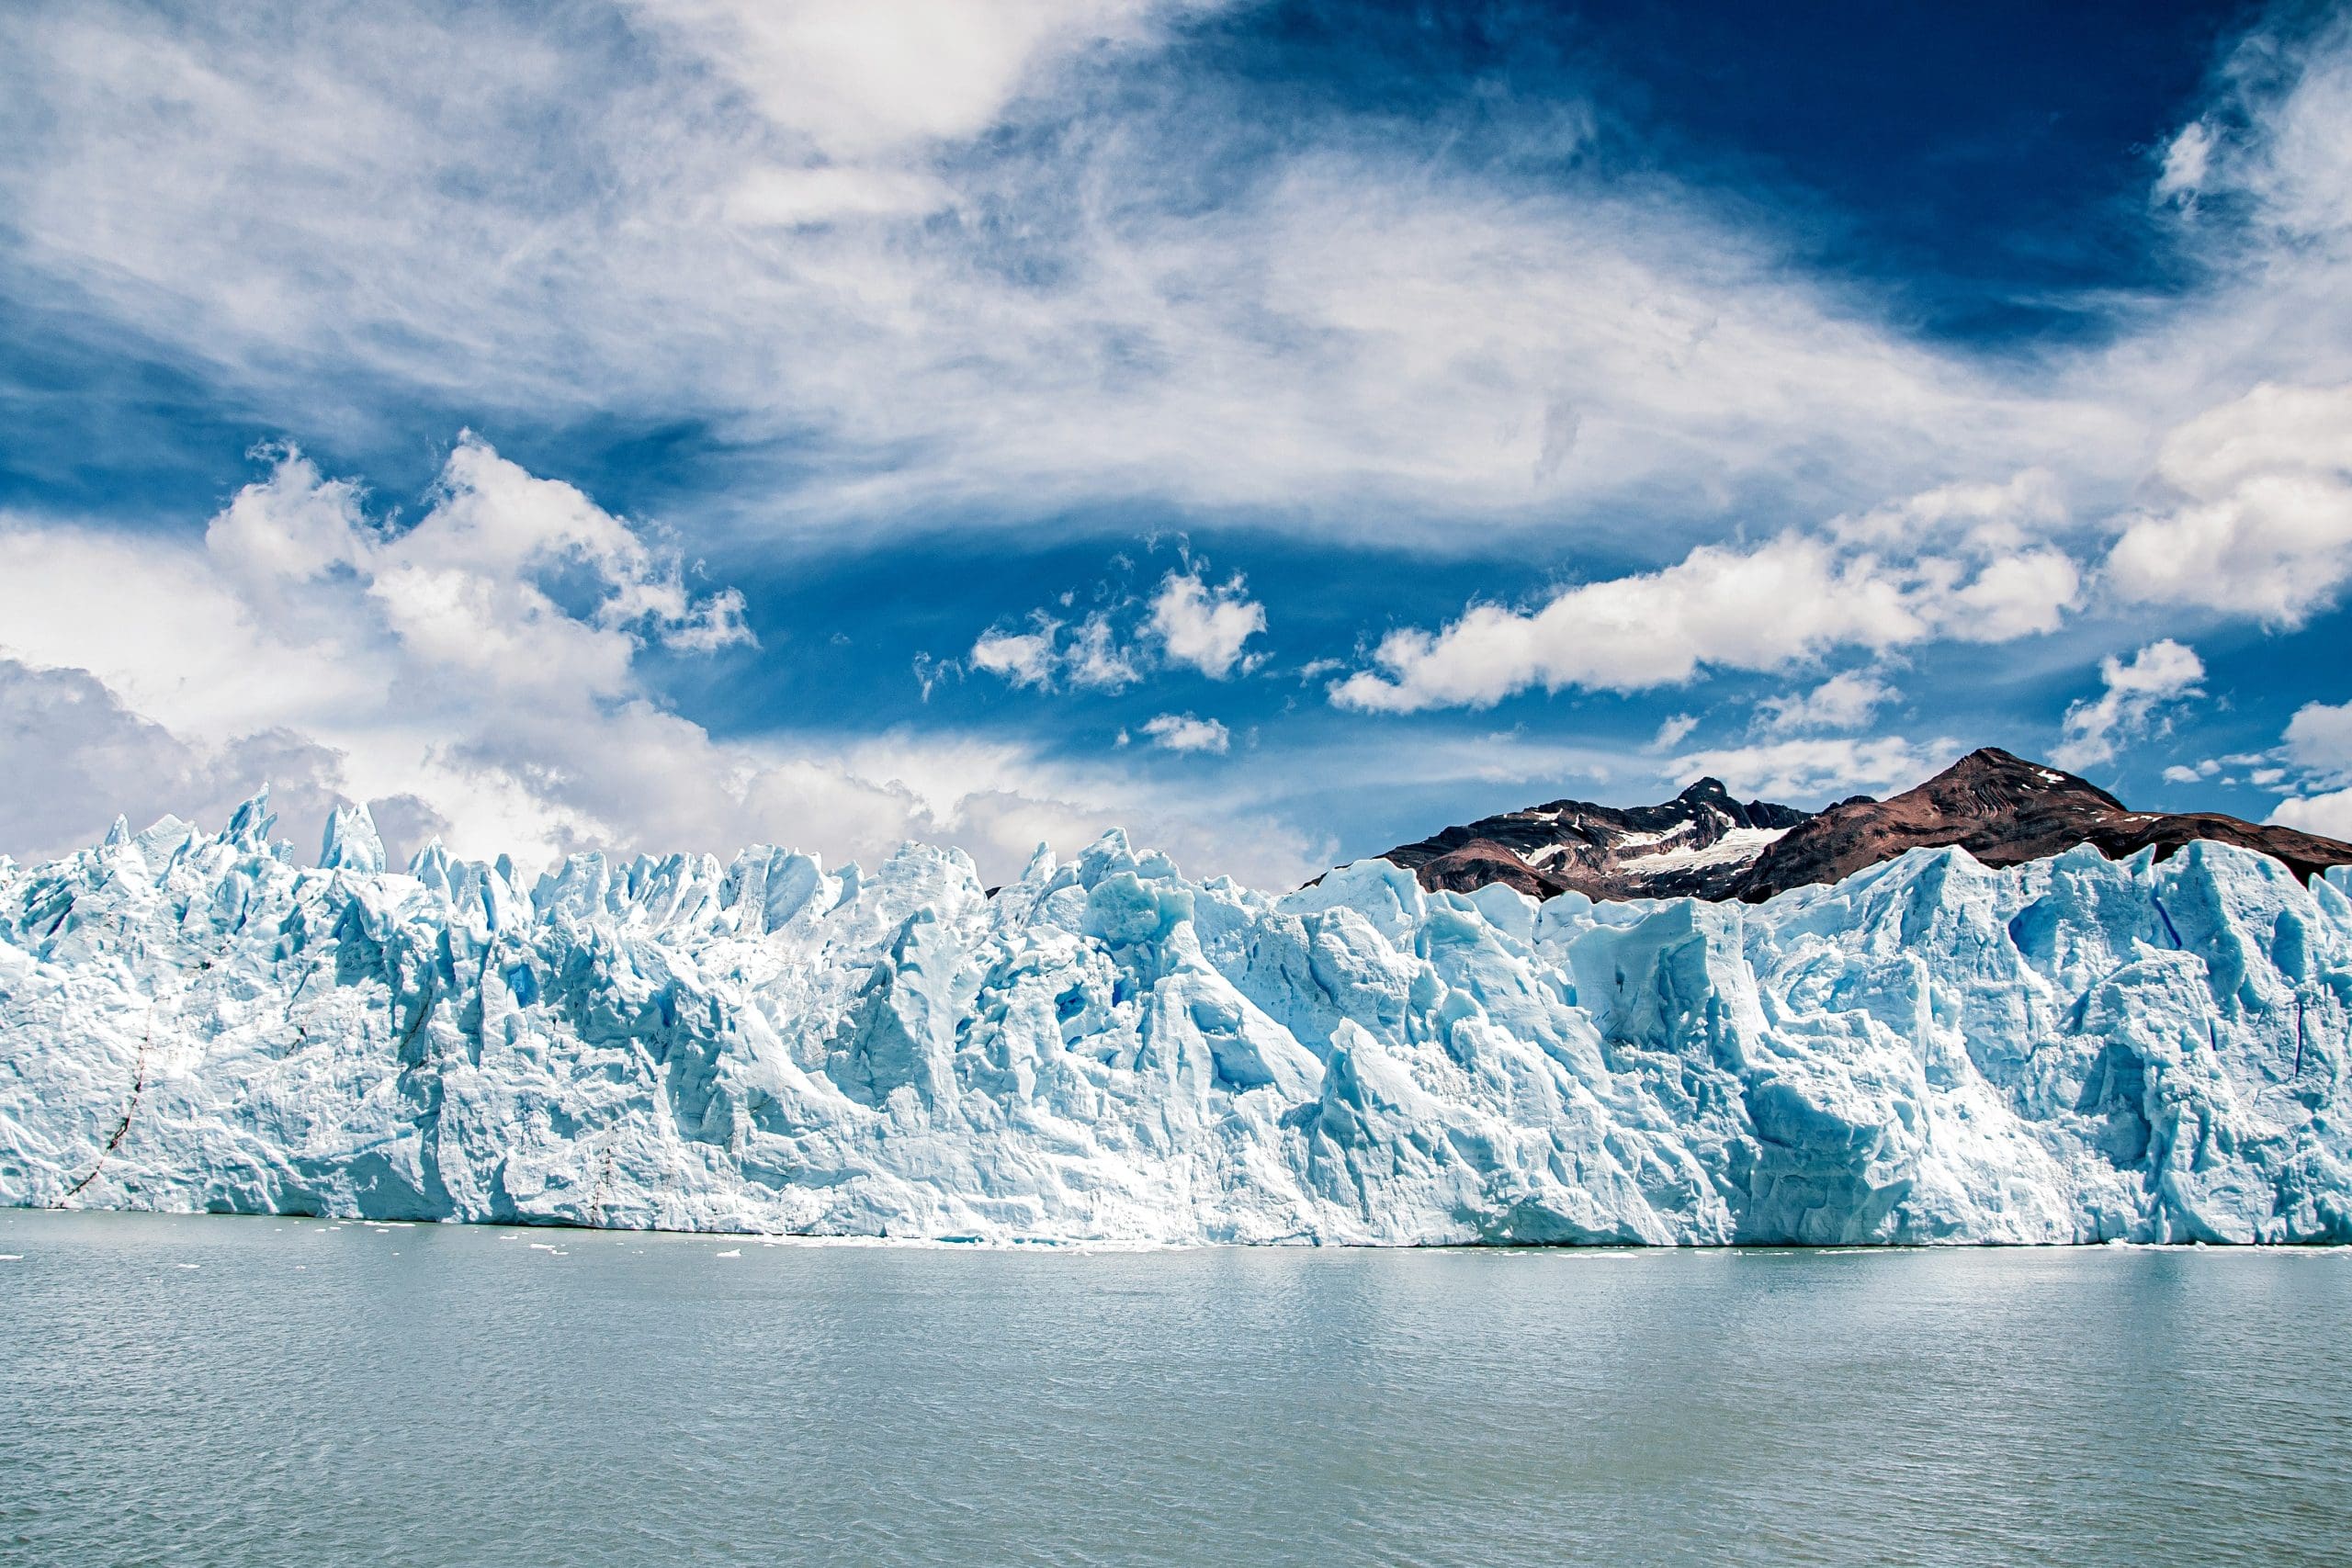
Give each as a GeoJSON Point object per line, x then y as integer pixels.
{"type": "Point", "coordinates": [1699, 844]}
{"type": "Point", "coordinates": [1999, 808]}
{"type": "Point", "coordinates": [2073, 1049]}
{"type": "Point", "coordinates": [2006, 810]}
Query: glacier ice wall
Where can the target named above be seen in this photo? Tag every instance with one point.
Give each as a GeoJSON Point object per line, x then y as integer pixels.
{"type": "Point", "coordinates": [1932, 1051]}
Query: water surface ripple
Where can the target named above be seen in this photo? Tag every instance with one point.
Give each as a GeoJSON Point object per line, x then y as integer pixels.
{"type": "Point", "coordinates": [255, 1392]}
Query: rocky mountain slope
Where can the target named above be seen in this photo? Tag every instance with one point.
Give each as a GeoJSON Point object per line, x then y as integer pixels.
{"type": "Point", "coordinates": [1698, 844]}
{"type": "Point", "coordinates": [2001, 808]}
{"type": "Point", "coordinates": [2005, 810]}
{"type": "Point", "coordinates": [2073, 1049]}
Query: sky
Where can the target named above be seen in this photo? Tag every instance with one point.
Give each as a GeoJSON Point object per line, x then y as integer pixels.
{"type": "Point", "coordinates": [1278, 430]}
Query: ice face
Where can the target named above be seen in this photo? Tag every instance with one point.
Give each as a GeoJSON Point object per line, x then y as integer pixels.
{"type": "Point", "coordinates": [2075, 1050]}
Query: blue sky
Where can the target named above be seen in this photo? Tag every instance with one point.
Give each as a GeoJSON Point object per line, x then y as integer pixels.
{"type": "Point", "coordinates": [1279, 429]}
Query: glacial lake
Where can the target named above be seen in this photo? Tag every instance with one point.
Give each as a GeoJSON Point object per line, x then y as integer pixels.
{"type": "Point", "coordinates": [259, 1392]}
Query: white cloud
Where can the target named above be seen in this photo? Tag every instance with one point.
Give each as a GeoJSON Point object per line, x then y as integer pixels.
{"type": "Point", "coordinates": [1096, 661]}
{"type": "Point", "coordinates": [1091, 657]}
{"type": "Point", "coordinates": [71, 756]}
{"type": "Point", "coordinates": [1187, 622]}
{"type": "Point", "coordinates": [2263, 523]}
{"type": "Point", "coordinates": [1182, 732]}
{"type": "Point", "coordinates": [1984, 519]}
{"type": "Point", "coordinates": [475, 671]}
{"type": "Point", "coordinates": [2177, 774]}
{"type": "Point", "coordinates": [800, 221]}
{"type": "Point", "coordinates": [1842, 702]}
{"type": "Point", "coordinates": [1203, 627]}
{"type": "Point", "coordinates": [2319, 740]}
{"type": "Point", "coordinates": [792, 198]}
{"type": "Point", "coordinates": [2188, 158]}
{"type": "Point", "coordinates": [1673, 730]}
{"type": "Point", "coordinates": [1024, 658]}
{"type": "Point", "coordinates": [1791, 599]}
{"type": "Point", "coordinates": [2161, 674]}
{"type": "Point", "coordinates": [866, 77]}
{"type": "Point", "coordinates": [1785, 601]}
{"type": "Point", "coordinates": [2289, 158]}
{"type": "Point", "coordinates": [2317, 749]}
{"type": "Point", "coordinates": [1814, 769]}
{"type": "Point", "coordinates": [2026, 594]}
{"type": "Point", "coordinates": [2328, 814]}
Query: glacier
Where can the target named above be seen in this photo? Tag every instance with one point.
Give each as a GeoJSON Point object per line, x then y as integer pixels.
{"type": "Point", "coordinates": [2071, 1051]}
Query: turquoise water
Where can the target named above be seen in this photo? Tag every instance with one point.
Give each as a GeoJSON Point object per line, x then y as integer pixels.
{"type": "Point", "coordinates": [250, 1392]}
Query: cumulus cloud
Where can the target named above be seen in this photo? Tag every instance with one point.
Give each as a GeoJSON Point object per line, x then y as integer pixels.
{"type": "Point", "coordinates": [475, 671]}
{"type": "Point", "coordinates": [2138, 691]}
{"type": "Point", "coordinates": [2253, 514]}
{"type": "Point", "coordinates": [1188, 624]}
{"type": "Point", "coordinates": [2328, 814]}
{"type": "Point", "coordinates": [1793, 599]}
{"type": "Point", "coordinates": [2316, 750]}
{"type": "Point", "coordinates": [1182, 732]}
{"type": "Point", "coordinates": [1022, 659]}
{"type": "Point", "coordinates": [2261, 524]}
{"type": "Point", "coordinates": [1842, 702]}
{"type": "Point", "coordinates": [1986, 519]}
{"type": "Point", "coordinates": [1203, 627]}
{"type": "Point", "coordinates": [2318, 740]}
{"type": "Point", "coordinates": [1817, 769]}
{"type": "Point", "coordinates": [72, 757]}
{"type": "Point", "coordinates": [1089, 658]}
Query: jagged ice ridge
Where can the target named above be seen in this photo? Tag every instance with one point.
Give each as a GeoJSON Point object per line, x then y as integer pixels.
{"type": "Point", "coordinates": [2073, 1050]}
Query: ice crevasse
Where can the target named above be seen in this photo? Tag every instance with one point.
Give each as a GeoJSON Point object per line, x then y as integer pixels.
{"type": "Point", "coordinates": [2074, 1050]}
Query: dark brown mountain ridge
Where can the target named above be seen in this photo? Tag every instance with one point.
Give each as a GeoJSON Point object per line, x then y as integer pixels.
{"type": "Point", "coordinates": [1998, 806]}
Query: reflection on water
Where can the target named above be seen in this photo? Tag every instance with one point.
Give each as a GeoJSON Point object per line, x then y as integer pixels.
{"type": "Point", "coordinates": [213, 1391]}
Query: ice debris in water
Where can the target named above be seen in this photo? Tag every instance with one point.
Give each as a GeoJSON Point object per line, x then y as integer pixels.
{"type": "Point", "coordinates": [2073, 1050]}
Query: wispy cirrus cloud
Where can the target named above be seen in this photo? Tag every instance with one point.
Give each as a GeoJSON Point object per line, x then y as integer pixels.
{"type": "Point", "coordinates": [981, 275]}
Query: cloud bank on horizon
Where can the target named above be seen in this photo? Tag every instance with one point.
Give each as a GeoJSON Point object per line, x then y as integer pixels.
{"type": "Point", "coordinates": [1274, 428]}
